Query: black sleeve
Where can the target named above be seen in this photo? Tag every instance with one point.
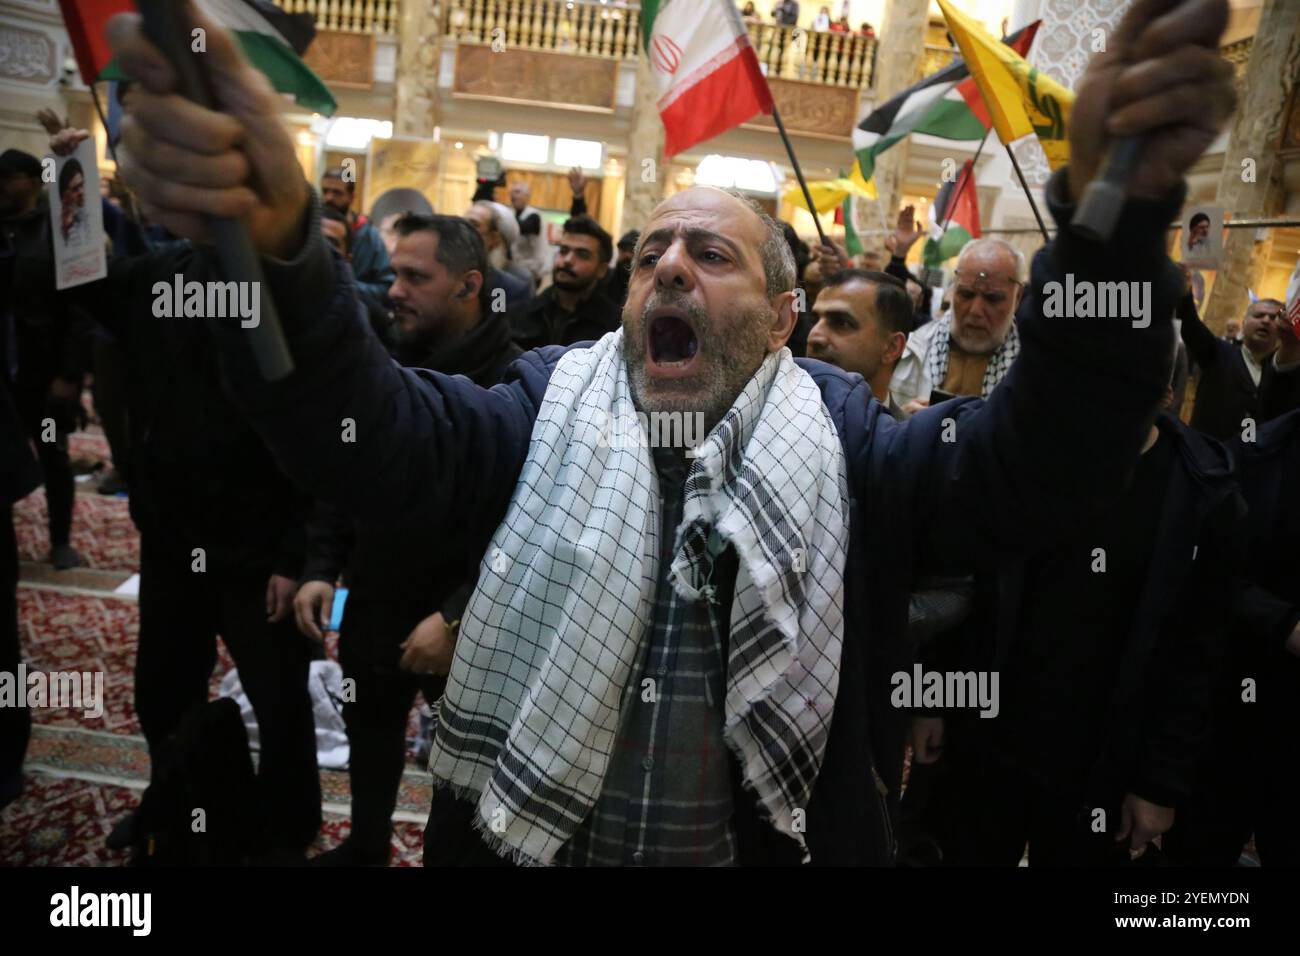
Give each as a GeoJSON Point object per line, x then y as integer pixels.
{"type": "Point", "coordinates": [1202, 345]}
{"type": "Point", "coordinates": [329, 535]}
{"type": "Point", "coordinates": [1060, 435]}
{"type": "Point", "coordinates": [1264, 618]}
{"type": "Point", "coordinates": [579, 207]}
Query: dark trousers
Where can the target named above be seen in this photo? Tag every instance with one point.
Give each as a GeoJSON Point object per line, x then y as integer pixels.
{"type": "Point", "coordinates": [369, 651]}
{"type": "Point", "coordinates": [983, 810]}
{"type": "Point", "coordinates": [1250, 777]}
{"type": "Point", "coordinates": [181, 614]}
{"type": "Point", "coordinates": [15, 722]}
{"type": "Point", "coordinates": [34, 408]}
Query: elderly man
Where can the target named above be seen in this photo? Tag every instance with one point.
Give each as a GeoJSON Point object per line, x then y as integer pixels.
{"type": "Point", "coordinates": [675, 658]}
{"type": "Point", "coordinates": [530, 249]}
{"type": "Point", "coordinates": [970, 351]}
{"type": "Point", "coordinates": [499, 231]}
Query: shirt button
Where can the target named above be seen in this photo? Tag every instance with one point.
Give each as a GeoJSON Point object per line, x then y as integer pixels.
{"type": "Point", "coordinates": [648, 763]}
{"type": "Point", "coordinates": [638, 857]}
{"type": "Point", "coordinates": [662, 670]}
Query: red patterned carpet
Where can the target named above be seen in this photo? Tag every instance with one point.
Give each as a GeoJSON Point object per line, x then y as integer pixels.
{"type": "Point", "coordinates": [84, 773]}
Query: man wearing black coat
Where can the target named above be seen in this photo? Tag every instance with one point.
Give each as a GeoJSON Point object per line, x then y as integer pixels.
{"type": "Point", "coordinates": [1107, 647]}
{"type": "Point", "coordinates": [1240, 379]}
{"type": "Point", "coordinates": [52, 354]}
{"type": "Point", "coordinates": [573, 308]}
{"type": "Point", "coordinates": [1251, 772]}
{"type": "Point", "coordinates": [405, 591]}
{"type": "Point", "coordinates": [710, 306]}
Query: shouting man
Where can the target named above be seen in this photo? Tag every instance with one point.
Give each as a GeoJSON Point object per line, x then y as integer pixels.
{"type": "Point", "coordinates": [674, 658]}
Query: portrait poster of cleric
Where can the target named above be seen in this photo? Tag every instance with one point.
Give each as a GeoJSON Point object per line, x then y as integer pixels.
{"type": "Point", "coordinates": [1202, 237]}
{"type": "Point", "coordinates": [77, 219]}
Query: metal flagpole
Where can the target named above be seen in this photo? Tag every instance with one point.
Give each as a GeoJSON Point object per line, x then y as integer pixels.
{"type": "Point", "coordinates": [1025, 186]}
{"type": "Point", "coordinates": [807, 196]}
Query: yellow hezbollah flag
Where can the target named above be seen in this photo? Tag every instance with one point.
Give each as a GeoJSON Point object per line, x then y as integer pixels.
{"type": "Point", "coordinates": [827, 194]}
{"type": "Point", "coordinates": [1021, 100]}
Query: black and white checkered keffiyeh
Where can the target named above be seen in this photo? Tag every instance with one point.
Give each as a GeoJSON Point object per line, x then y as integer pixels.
{"type": "Point", "coordinates": [565, 594]}
{"type": "Point", "coordinates": [999, 362]}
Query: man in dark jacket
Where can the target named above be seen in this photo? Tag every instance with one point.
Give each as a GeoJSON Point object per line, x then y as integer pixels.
{"type": "Point", "coordinates": [1236, 375]}
{"type": "Point", "coordinates": [1251, 772]}
{"type": "Point", "coordinates": [572, 309]}
{"type": "Point", "coordinates": [404, 590]}
{"type": "Point", "coordinates": [1106, 647]}
{"type": "Point", "coordinates": [51, 352]}
{"type": "Point", "coordinates": [441, 449]}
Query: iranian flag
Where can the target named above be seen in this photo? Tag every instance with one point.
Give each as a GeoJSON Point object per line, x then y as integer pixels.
{"type": "Point", "coordinates": [273, 40]}
{"type": "Point", "coordinates": [946, 104]}
{"type": "Point", "coordinates": [707, 74]}
{"type": "Point", "coordinates": [957, 208]}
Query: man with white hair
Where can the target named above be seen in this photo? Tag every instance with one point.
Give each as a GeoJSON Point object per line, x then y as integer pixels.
{"type": "Point", "coordinates": [969, 351]}
{"type": "Point", "coordinates": [531, 249]}
{"type": "Point", "coordinates": [497, 227]}
{"type": "Point", "coordinates": [682, 654]}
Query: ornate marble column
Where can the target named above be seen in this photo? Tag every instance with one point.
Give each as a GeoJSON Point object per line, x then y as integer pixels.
{"type": "Point", "coordinates": [898, 59]}
{"type": "Point", "coordinates": [645, 180]}
{"type": "Point", "coordinates": [1256, 130]}
{"type": "Point", "coordinates": [417, 68]}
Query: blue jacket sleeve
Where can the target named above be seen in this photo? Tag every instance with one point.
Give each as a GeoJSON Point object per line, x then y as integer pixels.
{"type": "Point", "coordinates": [383, 443]}
{"type": "Point", "coordinates": [1060, 435]}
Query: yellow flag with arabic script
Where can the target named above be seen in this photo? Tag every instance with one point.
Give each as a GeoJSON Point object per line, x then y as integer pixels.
{"type": "Point", "coordinates": [1021, 99]}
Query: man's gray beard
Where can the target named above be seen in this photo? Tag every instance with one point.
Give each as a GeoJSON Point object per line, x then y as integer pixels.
{"type": "Point", "coordinates": [984, 347]}
{"type": "Point", "coordinates": [733, 360]}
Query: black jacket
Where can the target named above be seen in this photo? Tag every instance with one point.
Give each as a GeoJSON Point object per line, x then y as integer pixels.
{"type": "Point", "coordinates": [545, 323]}
{"type": "Point", "coordinates": [51, 334]}
{"type": "Point", "coordinates": [1156, 714]}
{"type": "Point", "coordinates": [200, 475]}
{"type": "Point", "coordinates": [436, 448]}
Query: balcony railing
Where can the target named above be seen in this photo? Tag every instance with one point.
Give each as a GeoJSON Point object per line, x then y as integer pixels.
{"type": "Point", "coordinates": [349, 16]}
{"type": "Point", "coordinates": [835, 59]}
{"type": "Point", "coordinates": [609, 30]}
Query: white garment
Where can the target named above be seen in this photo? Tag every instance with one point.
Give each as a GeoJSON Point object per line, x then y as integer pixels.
{"type": "Point", "coordinates": [325, 684]}
{"type": "Point", "coordinates": [533, 252]}
{"type": "Point", "coordinates": [911, 378]}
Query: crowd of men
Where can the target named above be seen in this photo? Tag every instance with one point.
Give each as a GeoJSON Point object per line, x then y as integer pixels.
{"type": "Point", "coordinates": [703, 654]}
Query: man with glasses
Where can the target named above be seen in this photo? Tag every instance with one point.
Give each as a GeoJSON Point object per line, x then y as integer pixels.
{"type": "Point", "coordinates": [969, 351]}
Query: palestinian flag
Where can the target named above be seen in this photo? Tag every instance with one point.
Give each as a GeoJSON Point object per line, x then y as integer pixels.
{"type": "Point", "coordinates": [958, 205]}
{"type": "Point", "coordinates": [705, 70]}
{"type": "Point", "coordinates": [946, 104]}
{"type": "Point", "coordinates": [273, 40]}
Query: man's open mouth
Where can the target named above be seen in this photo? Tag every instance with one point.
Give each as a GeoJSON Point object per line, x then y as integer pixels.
{"type": "Point", "coordinates": [672, 344]}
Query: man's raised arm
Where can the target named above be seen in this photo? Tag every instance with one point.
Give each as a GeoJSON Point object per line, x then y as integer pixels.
{"type": "Point", "coordinates": [381, 442]}
{"type": "Point", "coordinates": [1064, 428]}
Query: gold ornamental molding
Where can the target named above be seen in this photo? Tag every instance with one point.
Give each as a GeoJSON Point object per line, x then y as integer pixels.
{"type": "Point", "coordinates": [812, 109]}
{"type": "Point", "coordinates": [344, 60]}
{"type": "Point", "coordinates": [536, 77]}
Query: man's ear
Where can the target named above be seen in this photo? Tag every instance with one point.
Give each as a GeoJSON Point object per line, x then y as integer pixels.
{"type": "Point", "coordinates": [894, 346]}
{"type": "Point", "coordinates": [1020, 295]}
{"type": "Point", "coordinates": [783, 325]}
{"type": "Point", "coordinates": [470, 284]}
{"type": "Point", "coordinates": [604, 268]}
